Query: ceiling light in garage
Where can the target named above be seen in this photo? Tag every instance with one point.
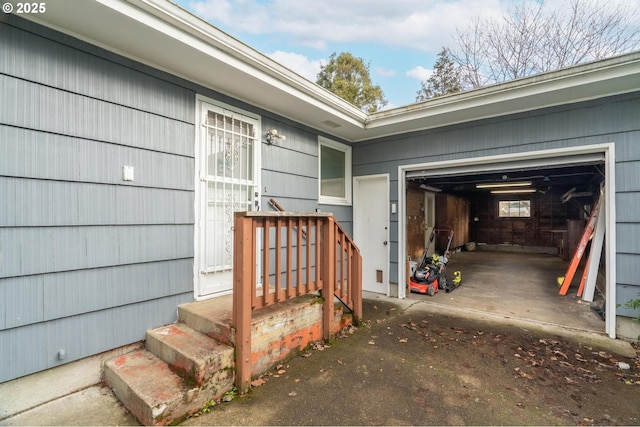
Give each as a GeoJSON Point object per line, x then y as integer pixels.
{"type": "Point", "coordinates": [504, 184]}
{"type": "Point", "coordinates": [514, 191]}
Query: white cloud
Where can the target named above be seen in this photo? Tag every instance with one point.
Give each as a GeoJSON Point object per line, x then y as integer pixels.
{"type": "Point", "coordinates": [425, 25]}
{"type": "Point", "coordinates": [389, 35]}
{"type": "Point", "coordinates": [307, 68]}
{"type": "Point", "coordinates": [419, 73]}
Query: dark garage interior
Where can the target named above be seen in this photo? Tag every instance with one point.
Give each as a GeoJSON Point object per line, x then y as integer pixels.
{"type": "Point", "coordinates": [515, 232]}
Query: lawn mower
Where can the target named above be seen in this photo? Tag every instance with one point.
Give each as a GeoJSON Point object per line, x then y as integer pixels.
{"type": "Point", "coordinates": [429, 275]}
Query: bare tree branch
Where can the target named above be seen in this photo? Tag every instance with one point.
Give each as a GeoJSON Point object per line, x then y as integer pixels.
{"type": "Point", "coordinates": [531, 38]}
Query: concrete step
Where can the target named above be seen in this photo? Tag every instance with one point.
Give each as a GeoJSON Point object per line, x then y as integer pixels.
{"type": "Point", "coordinates": [195, 357]}
{"type": "Point", "coordinates": [211, 317]}
{"type": "Point", "coordinates": [150, 390]}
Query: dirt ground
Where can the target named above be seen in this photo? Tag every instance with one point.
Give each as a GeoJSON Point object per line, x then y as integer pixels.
{"type": "Point", "coordinates": [411, 367]}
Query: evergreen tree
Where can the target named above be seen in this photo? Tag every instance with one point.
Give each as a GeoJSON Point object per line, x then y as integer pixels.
{"type": "Point", "coordinates": [444, 80]}
{"type": "Point", "coordinates": [349, 78]}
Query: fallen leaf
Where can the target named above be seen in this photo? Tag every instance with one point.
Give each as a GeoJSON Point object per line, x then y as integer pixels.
{"type": "Point", "coordinates": [297, 380]}
{"type": "Point", "coordinates": [258, 382]}
{"type": "Point", "coordinates": [403, 340]}
{"type": "Point", "coordinates": [560, 353]}
{"type": "Point", "coordinates": [281, 371]}
{"type": "Point", "coordinates": [579, 357]}
{"type": "Point", "coordinates": [293, 393]}
{"type": "Point", "coordinates": [523, 374]}
{"type": "Point", "coordinates": [307, 354]}
{"type": "Point", "coordinates": [372, 342]}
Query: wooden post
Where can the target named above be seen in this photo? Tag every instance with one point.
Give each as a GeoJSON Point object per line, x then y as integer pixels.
{"type": "Point", "coordinates": [597, 244]}
{"type": "Point", "coordinates": [586, 235]}
{"type": "Point", "coordinates": [357, 287]}
{"type": "Point", "coordinates": [328, 275]}
{"type": "Point", "coordinates": [243, 247]}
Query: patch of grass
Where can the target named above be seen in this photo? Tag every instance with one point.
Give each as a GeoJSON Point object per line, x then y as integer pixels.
{"type": "Point", "coordinates": [634, 304]}
{"type": "Point", "coordinates": [207, 406]}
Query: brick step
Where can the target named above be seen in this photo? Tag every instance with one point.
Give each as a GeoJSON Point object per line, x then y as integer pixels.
{"type": "Point", "coordinates": [150, 390]}
{"type": "Point", "coordinates": [212, 318]}
{"type": "Point", "coordinates": [185, 364]}
{"type": "Point", "coordinates": [195, 357]}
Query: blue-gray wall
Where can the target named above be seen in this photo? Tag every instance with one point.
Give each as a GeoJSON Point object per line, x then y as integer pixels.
{"type": "Point", "coordinates": [89, 262]}
{"type": "Point", "coordinates": [290, 172]}
{"type": "Point", "coordinates": [615, 119]}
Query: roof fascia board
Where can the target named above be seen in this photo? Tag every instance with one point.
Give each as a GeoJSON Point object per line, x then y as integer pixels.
{"type": "Point", "coordinates": [191, 30]}
{"type": "Point", "coordinates": [209, 45]}
{"type": "Point", "coordinates": [478, 100]}
{"type": "Point", "coordinates": [181, 26]}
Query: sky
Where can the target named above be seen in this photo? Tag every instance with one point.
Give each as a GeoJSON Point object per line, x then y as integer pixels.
{"type": "Point", "coordinates": [399, 39]}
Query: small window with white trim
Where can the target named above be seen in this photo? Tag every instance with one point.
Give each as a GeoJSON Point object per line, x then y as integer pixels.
{"type": "Point", "coordinates": [514, 209]}
{"type": "Point", "coordinates": [334, 172]}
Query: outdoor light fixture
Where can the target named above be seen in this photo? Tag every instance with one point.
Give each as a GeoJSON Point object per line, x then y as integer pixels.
{"type": "Point", "coordinates": [514, 191]}
{"type": "Point", "coordinates": [273, 135]}
{"type": "Point", "coordinates": [504, 184]}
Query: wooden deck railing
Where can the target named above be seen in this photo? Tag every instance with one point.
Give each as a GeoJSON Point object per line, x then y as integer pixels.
{"type": "Point", "coordinates": [282, 255]}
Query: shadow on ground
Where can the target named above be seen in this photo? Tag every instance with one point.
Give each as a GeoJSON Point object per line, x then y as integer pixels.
{"type": "Point", "coordinates": [406, 365]}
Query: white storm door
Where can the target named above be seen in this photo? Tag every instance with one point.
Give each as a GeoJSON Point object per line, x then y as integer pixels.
{"type": "Point", "coordinates": [371, 230]}
{"type": "Point", "coordinates": [228, 183]}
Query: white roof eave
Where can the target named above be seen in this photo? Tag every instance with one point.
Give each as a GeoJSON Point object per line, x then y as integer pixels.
{"type": "Point", "coordinates": [165, 36]}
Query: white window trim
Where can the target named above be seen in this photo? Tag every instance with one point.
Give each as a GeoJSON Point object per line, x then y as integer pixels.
{"type": "Point", "coordinates": [329, 200]}
{"type": "Point", "coordinates": [519, 207]}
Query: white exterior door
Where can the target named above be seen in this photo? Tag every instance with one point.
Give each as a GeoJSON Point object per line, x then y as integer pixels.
{"type": "Point", "coordinates": [371, 230]}
{"type": "Point", "coordinates": [227, 182]}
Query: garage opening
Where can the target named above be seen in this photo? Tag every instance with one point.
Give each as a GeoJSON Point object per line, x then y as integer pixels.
{"type": "Point", "coordinates": [512, 228]}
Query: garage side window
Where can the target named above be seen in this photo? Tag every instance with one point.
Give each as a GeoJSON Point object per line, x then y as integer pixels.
{"type": "Point", "coordinates": [335, 173]}
{"type": "Point", "coordinates": [514, 208]}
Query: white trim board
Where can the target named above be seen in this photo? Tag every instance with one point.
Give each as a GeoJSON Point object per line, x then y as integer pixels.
{"type": "Point", "coordinates": [568, 155]}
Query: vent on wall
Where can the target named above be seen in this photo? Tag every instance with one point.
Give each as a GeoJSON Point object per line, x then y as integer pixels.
{"type": "Point", "coordinates": [331, 124]}
{"type": "Point", "coordinates": [379, 276]}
